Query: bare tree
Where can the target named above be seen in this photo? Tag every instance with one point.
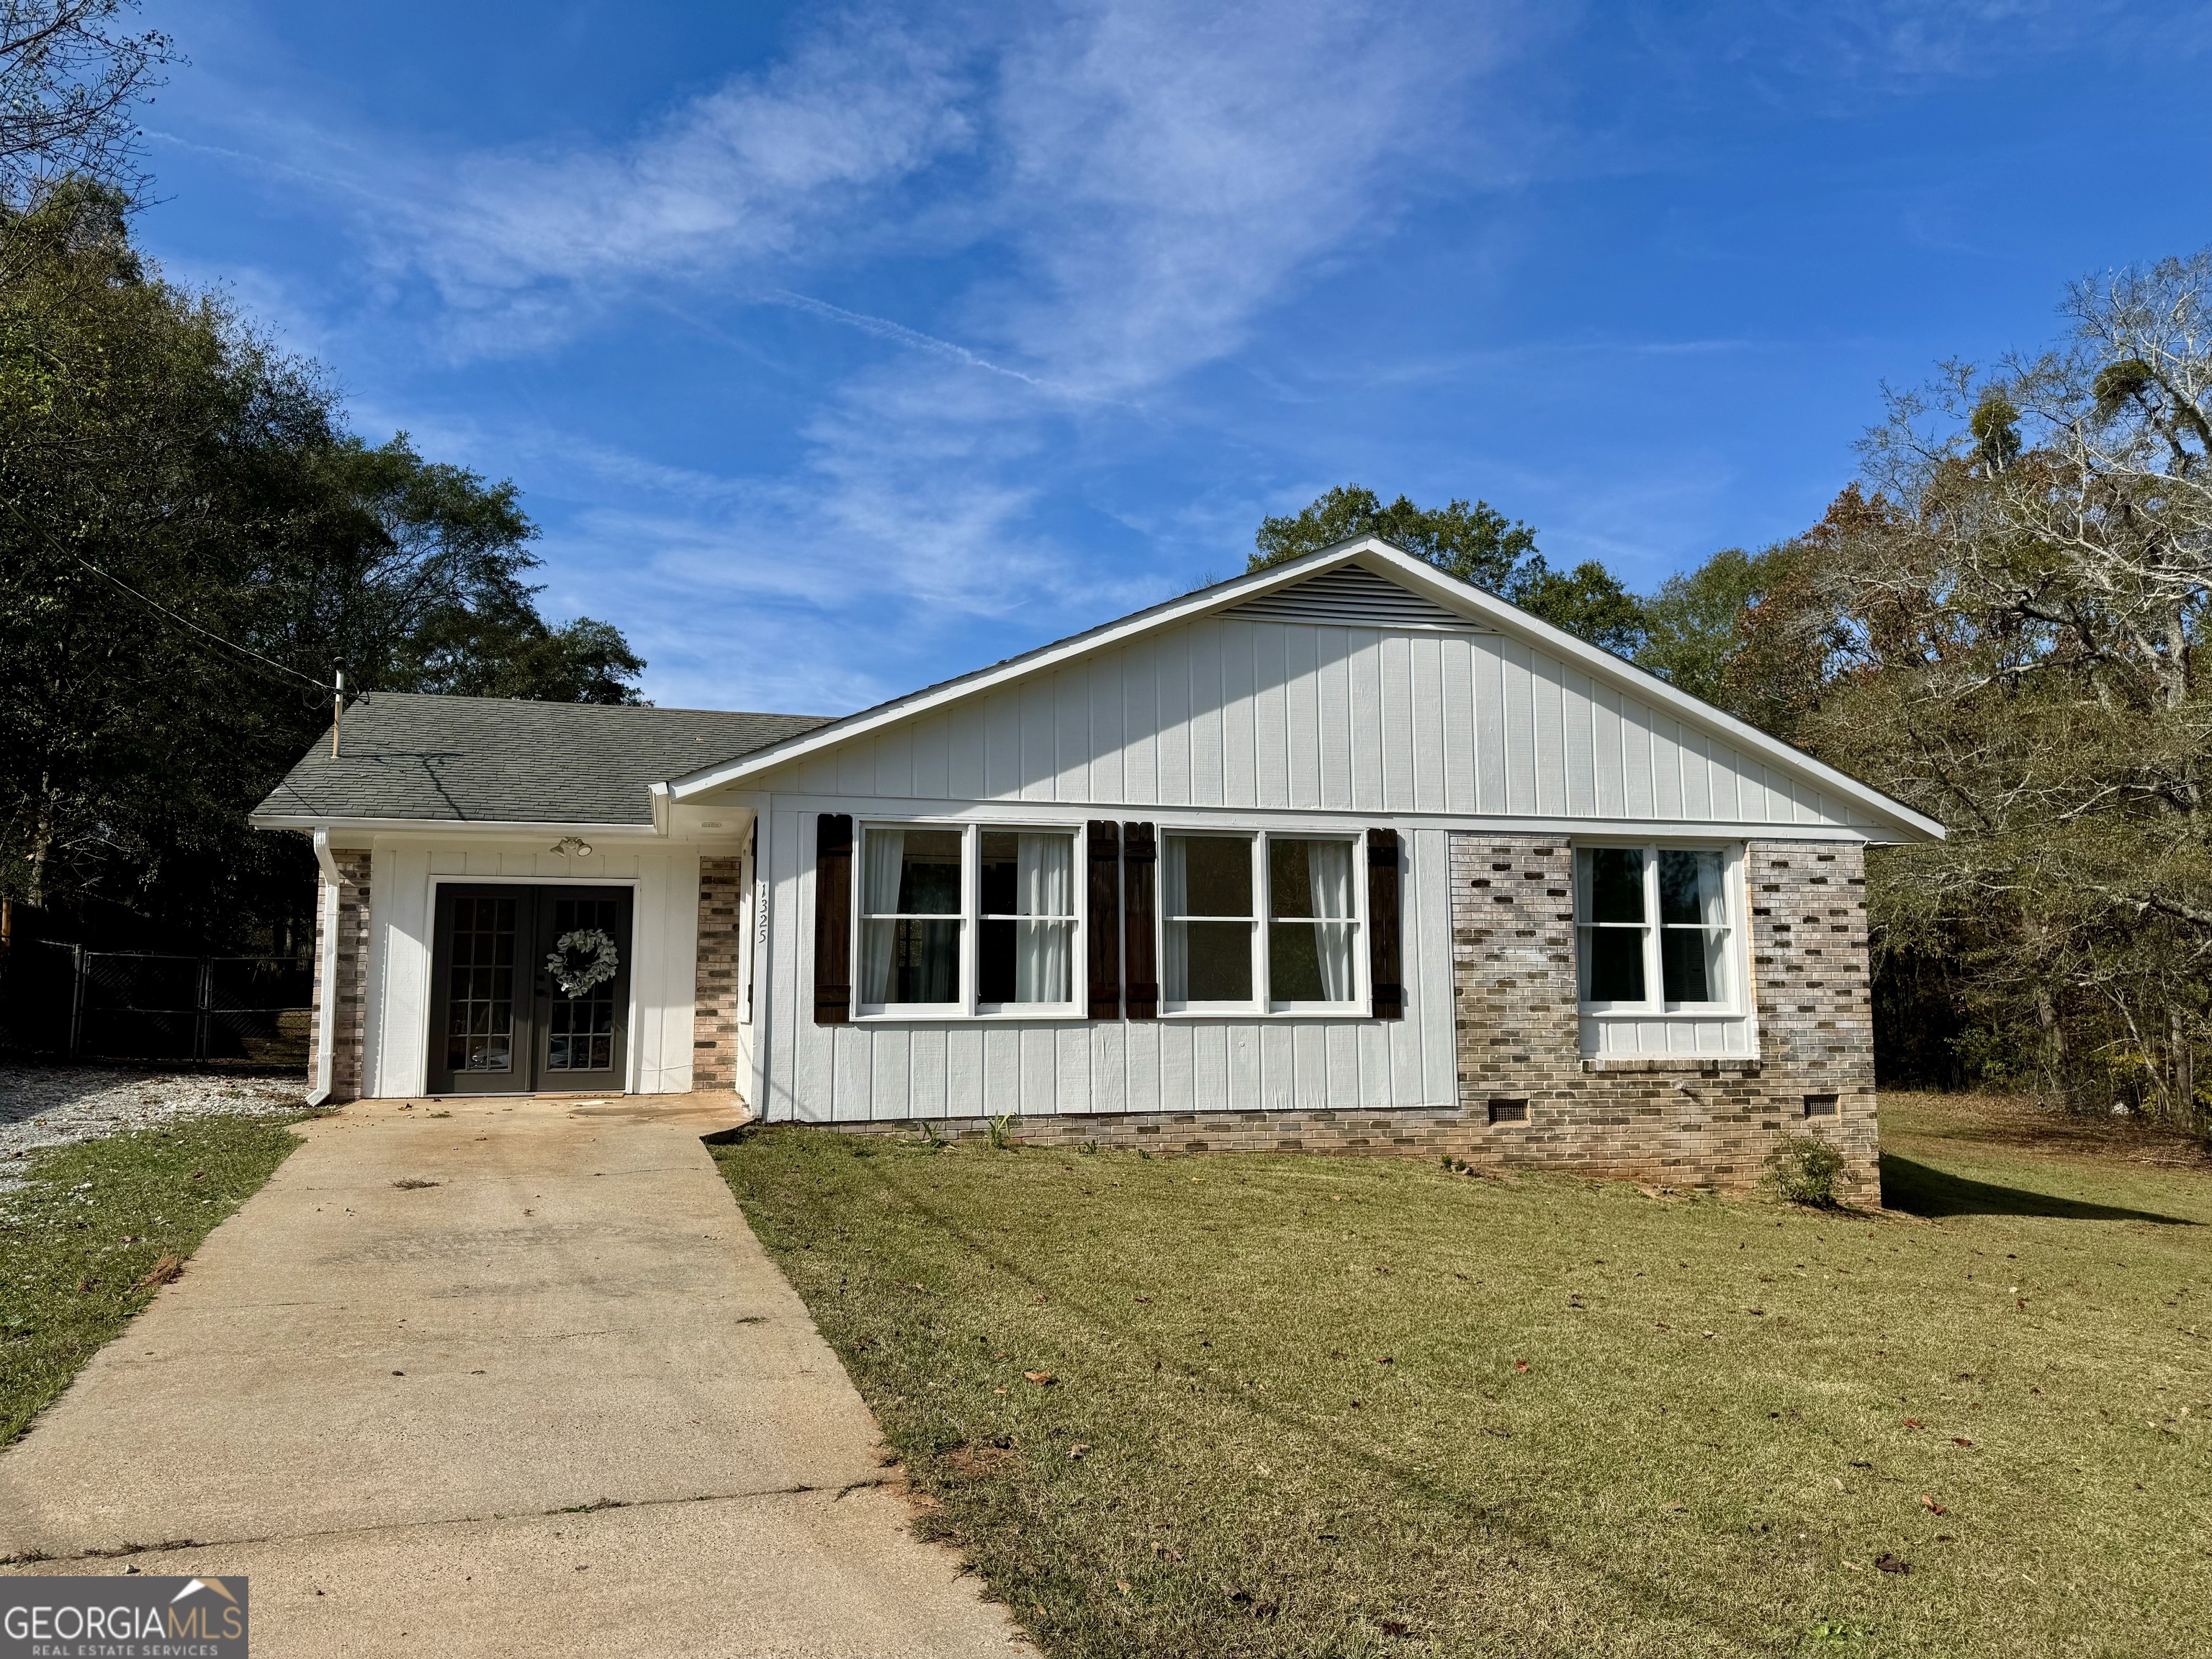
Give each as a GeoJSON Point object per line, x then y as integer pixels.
{"type": "Point", "coordinates": [70, 79]}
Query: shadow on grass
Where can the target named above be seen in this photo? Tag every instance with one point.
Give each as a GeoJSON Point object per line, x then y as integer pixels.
{"type": "Point", "coordinates": [1920, 1190]}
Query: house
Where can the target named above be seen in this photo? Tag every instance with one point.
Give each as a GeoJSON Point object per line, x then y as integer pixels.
{"type": "Point", "coordinates": [1343, 855]}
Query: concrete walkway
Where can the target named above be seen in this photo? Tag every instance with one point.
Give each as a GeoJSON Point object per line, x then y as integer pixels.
{"type": "Point", "coordinates": [393, 1406]}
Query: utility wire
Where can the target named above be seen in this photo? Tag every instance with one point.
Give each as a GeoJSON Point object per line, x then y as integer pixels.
{"type": "Point", "coordinates": [244, 650]}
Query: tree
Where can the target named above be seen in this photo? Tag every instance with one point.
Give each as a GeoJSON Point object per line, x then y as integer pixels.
{"type": "Point", "coordinates": [1473, 541]}
{"type": "Point", "coordinates": [2008, 622]}
{"type": "Point", "coordinates": [70, 77]}
{"type": "Point", "coordinates": [190, 541]}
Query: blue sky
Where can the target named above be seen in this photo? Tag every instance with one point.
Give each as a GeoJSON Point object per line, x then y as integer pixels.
{"type": "Point", "coordinates": [839, 351]}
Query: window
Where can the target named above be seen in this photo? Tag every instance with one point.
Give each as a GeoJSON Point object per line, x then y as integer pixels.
{"type": "Point", "coordinates": [1215, 954]}
{"type": "Point", "coordinates": [932, 942]}
{"type": "Point", "coordinates": [1028, 898]}
{"type": "Point", "coordinates": [910, 917]}
{"type": "Point", "coordinates": [1310, 920]}
{"type": "Point", "coordinates": [1206, 912]}
{"type": "Point", "coordinates": [1625, 955]}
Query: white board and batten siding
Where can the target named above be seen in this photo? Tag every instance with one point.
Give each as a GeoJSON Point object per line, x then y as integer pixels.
{"type": "Point", "coordinates": [405, 873]}
{"type": "Point", "coordinates": [1423, 722]}
{"type": "Point", "coordinates": [874, 1071]}
{"type": "Point", "coordinates": [1285, 716]}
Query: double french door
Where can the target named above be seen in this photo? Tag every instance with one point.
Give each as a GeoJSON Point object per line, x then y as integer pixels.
{"type": "Point", "coordinates": [501, 1020]}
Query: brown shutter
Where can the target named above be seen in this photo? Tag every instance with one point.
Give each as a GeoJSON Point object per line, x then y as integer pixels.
{"type": "Point", "coordinates": [1382, 953]}
{"type": "Point", "coordinates": [1140, 977]}
{"type": "Point", "coordinates": [1104, 923]}
{"type": "Point", "coordinates": [833, 918]}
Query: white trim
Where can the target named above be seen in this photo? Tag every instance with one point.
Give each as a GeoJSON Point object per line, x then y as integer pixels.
{"type": "Point", "coordinates": [1374, 554]}
{"type": "Point", "coordinates": [326, 972]}
{"type": "Point", "coordinates": [1582, 831]}
{"type": "Point", "coordinates": [509, 827]}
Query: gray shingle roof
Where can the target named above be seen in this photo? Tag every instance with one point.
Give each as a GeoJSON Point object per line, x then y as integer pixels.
{"type": "Point", "coordinates": [494, 760]}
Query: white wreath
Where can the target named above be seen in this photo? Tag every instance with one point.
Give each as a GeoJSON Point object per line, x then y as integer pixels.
{"type": "Point", "coordinates": [581, 959]}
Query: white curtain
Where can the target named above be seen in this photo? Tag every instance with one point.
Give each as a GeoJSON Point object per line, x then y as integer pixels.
{"type": "Point", "coordinates": [1044, 885]}
{"type": "Point", "coordinates": [1175, 899]}
{"type": "Point", "coordinates": [1328, 879]}
{"type": "Point", "coordinates": [884, 862]}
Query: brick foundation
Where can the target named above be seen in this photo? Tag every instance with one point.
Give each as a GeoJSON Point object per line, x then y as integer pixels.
{"type": "Point", "coordinates": [349, 1029]}
{"type": "Point", "coordinates": [714, 1000]}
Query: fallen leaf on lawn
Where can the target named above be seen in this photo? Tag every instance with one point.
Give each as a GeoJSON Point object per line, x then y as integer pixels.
{"type": "Point", "coordinates": [1520, 1364]}
{"type": "Point", "coordinates": [1384, 1359]}
{"type": "Point", "coordinates": [1933, 1507]}
{"type": "Point", "coordinates": [998, 1391]}
{"type": "Point", "coordinates": [1889, 1563]}
{"type": "Point", "coordinates": [163, 1271]}
{"type": "Point", "coordinates": [1081, 1448]}
{"type": "Point", "coordinates": [1122, 1585]}
{"type": "Point", "coordinates": [1144, 1298]}
{"type": "Point", "coordinates": [1961, 1440]}
{"type": "Point", "coordinates": [1914, 1423]}
{"type": "Point", "coordinates": [1673, 1506]}
{"type": "Point", "coordinates": [1042, 1379]}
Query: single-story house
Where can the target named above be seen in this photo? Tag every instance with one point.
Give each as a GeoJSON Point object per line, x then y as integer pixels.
{"type": "Point", "coordinates": [1344, 854]}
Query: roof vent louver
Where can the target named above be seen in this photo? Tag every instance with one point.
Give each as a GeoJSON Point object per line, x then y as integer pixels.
{"type": "Point", "coordinates": [1352, 596]}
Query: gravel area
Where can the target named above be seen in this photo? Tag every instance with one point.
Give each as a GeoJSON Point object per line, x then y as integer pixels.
{"type": "Point", "coordinates": [54, 1105]}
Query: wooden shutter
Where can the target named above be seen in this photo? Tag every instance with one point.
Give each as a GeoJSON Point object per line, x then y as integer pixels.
{"type": "Point", "coordinates": [1384, 972]}
{"type": "Point", "coordinates": [833, 918]}
{"type": "Point", "coordinates": [1139, 878]}
{"type": "Point", "coordinates": [1104, 923]}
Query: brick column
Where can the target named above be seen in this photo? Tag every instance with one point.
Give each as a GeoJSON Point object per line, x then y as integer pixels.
{"type": "Point", "coordinates": [714, 998]}
{"type": "Point", "coordinates": [349, 1029]}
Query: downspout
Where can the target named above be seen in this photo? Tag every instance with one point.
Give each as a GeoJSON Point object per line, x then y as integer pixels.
{"type": "Point", "coordinates": [326, 973]}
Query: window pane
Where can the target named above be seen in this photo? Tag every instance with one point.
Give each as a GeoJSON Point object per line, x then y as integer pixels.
{"type": "Point", "coordinates": [1691, 963]}
{"type": "Point", "coordinates": [1309, 962]}
{"type": "Point", "coordinates": [1615, 884]}
{"type": "Point", "coordinates": [909, 962]}
{"type": "Point", "coordinates": [1209, 876]}
{"type": "Point", "coordinates": [1690, 887]}
{"type": "Point", "coordinates": [911, 872]}
{"type": "Point", "coordinates": [1209, 961]}
{"type": "Point", "coordinates": [1309, 878]}
{"type": "Point", "coordinates": [1615, 956]}
{"type": "Point", "coordinates": [1026, 962]}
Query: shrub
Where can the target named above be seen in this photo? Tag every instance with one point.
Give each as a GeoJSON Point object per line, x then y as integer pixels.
{"type": "Point", "coordinates": [1804, 1168]}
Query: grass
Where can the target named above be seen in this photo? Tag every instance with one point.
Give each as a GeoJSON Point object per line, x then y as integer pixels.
{"type": "Point", "coordinates": [1301, 1406]}
{"type": "Point", "coordinates": [77, 1243]}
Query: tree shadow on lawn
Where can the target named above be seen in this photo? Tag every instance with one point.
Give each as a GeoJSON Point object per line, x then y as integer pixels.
{"type": "Point", "coordinates": [1921, 1190]}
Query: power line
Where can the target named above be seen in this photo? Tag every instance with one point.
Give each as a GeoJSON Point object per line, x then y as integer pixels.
{"type": "Point", "coordinates": [147, 600]}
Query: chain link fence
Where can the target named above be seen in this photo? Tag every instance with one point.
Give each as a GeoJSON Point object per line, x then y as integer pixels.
{"type": "Point", "coordinates": [62, 998]}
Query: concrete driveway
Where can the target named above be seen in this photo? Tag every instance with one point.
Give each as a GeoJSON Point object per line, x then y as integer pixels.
{"type": "Point", "coordinates": [557, 1400]}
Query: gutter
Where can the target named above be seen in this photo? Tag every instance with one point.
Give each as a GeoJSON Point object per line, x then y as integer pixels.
{"type": "Point", "coordinates": [326, 972]}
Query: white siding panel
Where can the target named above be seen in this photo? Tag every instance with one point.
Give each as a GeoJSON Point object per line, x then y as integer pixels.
{"type": "Point", "coordinates": [1173, 663]}
{"type": "Point", "coordinates": [1489, 689]}
{"type": "Point", "coordinates": [1455, 724]}
{"type": "Point", "coordinates": [1239, 714]}
{"type": "Point", "coordinates": [1109, 757]}
{"type": "Point", "coordinates": [1334, 692]}
{"type": "Point", "coordinates": [1271, 746]}
{"type": "Point", "coordinates": [1366, 730]}
{"type": "Point", "coordinates": [1140, 719]}
{"type": "Point", "coordinates": [1551, 704]}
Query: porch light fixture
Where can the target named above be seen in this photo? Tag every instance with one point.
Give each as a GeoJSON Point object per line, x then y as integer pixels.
{"type": "Point", "coordinates": [570, 846]}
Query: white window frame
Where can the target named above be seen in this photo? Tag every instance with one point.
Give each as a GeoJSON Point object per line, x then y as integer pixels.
{"type": "Point", "coordinates": [1654, 1005]}
{"type": "Point", "coordinates": [1262, 1004]}
{"type": "Point", "coordinates": [967, 1006]}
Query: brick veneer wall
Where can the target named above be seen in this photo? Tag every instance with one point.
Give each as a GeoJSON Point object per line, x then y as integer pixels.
{"type": "Point", "coordinates": [1706, 1122]}
{"type": "Point", "coordinates": [349, 1029]}
{"type": "Point", "coordinates": [1680, 1122]}
{"type": "Point", "coordinates": [714, 998]}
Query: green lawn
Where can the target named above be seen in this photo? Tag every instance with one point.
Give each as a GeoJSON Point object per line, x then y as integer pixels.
{"type": "Point", "coordinates": [96, 1219]}
{"type": "Point", "coordinates": [1306, 1405]}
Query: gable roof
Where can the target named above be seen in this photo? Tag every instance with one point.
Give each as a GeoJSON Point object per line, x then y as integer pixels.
{"type": "Point", "coordinates": [404, 757]}
{"type": "Point", "coordinates": [1288, 586]}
